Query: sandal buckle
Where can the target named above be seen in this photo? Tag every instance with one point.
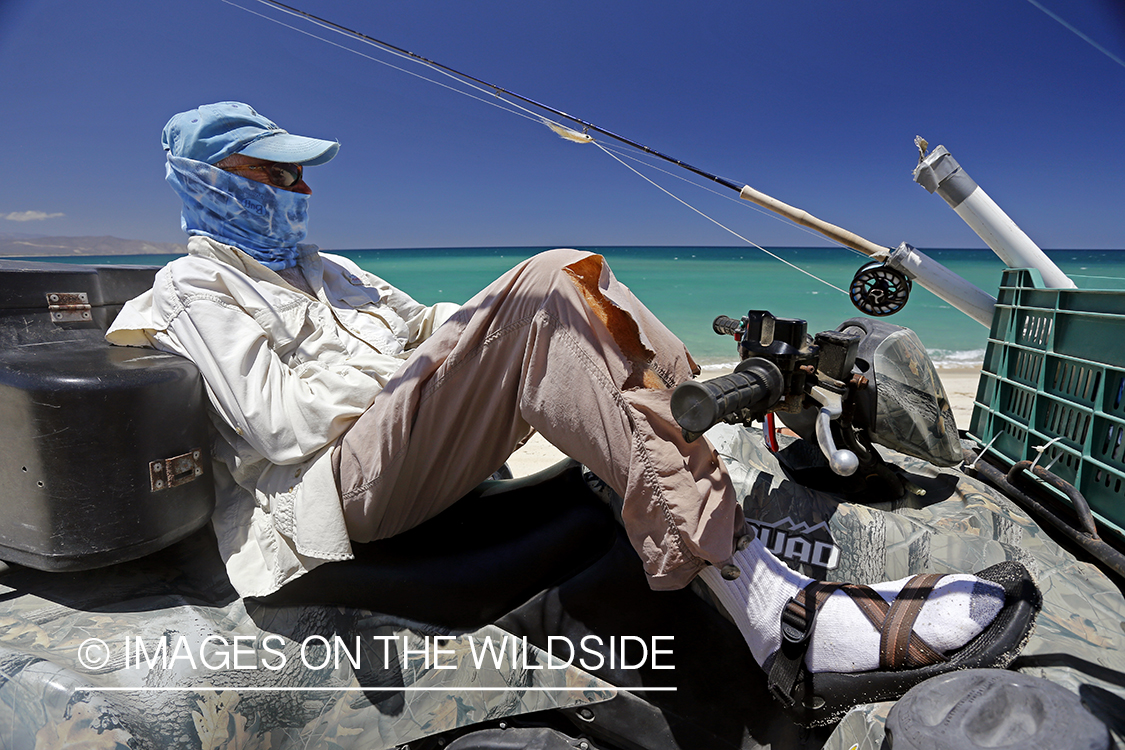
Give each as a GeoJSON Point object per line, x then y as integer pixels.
{"type": "Point", "coordinates": [798, 619]}
{"type": "Point", "coordinates": [796, 631]}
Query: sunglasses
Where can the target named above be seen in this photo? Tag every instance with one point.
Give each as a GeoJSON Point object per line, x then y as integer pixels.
{"type": "Point", "coordinates": [281, 175]}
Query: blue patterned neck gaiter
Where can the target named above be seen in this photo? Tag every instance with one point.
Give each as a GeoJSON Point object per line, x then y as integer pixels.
{"type": "Point", "coordinates": [263, 221]}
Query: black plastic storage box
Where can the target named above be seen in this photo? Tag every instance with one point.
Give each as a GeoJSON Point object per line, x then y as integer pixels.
{"type": "Point", "coordinates": [104, 450]}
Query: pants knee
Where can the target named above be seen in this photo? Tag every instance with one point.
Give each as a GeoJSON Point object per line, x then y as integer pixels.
{"type": "Point", "coordinates": [553, 261]}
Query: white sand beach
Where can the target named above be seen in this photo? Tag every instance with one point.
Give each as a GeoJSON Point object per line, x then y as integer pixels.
{"type": "Point", "coordinates": [960, 386]}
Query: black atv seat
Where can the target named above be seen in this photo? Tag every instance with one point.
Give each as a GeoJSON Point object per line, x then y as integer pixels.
{"type": "Point", "coordinates": [477, 560]}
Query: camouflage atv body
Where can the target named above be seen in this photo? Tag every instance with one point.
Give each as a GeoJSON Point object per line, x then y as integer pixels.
{"type": "Point", "coordinates": [81, 659]}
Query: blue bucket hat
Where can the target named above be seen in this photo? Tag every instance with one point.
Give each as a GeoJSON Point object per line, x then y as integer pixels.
{"type": "Point", "coordinates": [212, 132]}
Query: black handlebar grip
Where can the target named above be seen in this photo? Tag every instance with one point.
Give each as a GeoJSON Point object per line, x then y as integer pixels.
{"type": "Point", "coordinates": [699, 405]}
{"type": "Point", "coordinates": [726, 326]}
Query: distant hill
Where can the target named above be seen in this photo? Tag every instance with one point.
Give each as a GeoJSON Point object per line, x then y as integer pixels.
{"type": "Point", "coordinates": [52, 246]}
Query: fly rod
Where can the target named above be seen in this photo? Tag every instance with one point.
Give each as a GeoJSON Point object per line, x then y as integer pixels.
{"type": "Point", "coordinates": [950, 287]}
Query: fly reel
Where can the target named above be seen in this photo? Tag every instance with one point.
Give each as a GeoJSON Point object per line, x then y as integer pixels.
{"type": "Point", "coordinates": [879, 290]}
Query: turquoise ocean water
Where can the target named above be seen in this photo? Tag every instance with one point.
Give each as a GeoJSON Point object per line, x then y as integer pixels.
{"type": "Point", "coordinates": [688, 286]}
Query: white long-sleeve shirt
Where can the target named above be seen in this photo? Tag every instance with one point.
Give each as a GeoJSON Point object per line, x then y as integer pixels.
{"type": "Point", "coordinates": [286, 373]}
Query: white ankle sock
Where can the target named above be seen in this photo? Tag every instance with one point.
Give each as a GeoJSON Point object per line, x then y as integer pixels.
{"type": "Point", "coordinates": [844, 640]}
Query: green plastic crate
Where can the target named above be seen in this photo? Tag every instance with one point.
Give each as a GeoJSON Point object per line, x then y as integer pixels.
{"type": "Point", "coordinates": [1054, 375]}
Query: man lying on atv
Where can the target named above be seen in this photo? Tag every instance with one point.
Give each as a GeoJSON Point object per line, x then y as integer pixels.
{"type": "Point", "coordinates": [348, 411]}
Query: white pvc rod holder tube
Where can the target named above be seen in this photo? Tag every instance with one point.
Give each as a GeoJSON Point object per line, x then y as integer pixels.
{"type": "Point", "coordinates": [933, 276]}
{"type": "Point", "coordinates": [939, 172]}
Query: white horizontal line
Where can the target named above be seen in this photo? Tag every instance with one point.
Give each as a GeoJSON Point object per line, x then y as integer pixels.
{"type": "Point", "coordinates": [263, 688]}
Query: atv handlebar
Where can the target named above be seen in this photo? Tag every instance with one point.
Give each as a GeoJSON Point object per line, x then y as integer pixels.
{"type": "Point", "coordinates": [725, 326]}
{"type": "Point", "coordinates": [779, 361]}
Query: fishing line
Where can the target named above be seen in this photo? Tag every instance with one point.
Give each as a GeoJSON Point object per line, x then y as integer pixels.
{"type": "Point", "coordinates": [461, 78]}
{"type": "Point", "coordinates": [1079, 34]}
{"type": "Point", "coordinates": [511, 107]}
{"type": "Point", "coordinates": [712, 220]}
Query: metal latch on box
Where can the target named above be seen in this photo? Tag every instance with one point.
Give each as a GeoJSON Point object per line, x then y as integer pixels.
{"type": "Point", "coordinates": [68, 307]}
{"type": "Point", "coordinates": [172, 472]}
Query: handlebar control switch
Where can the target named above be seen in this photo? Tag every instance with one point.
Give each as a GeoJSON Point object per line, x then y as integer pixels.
{"type": "Point", "coordinates": [782, 340]}
{"type": "Point", "coordinates": [838, 350]}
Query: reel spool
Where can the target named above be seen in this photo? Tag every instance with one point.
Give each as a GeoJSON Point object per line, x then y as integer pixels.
{"type": "Point", "coordinates": [879, 290]}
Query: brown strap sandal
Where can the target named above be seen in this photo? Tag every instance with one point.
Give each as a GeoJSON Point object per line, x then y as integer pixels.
{"type": "Point", "coordinates": [905, 658]}
{"type": "Point", "coordinates": [899, 646]}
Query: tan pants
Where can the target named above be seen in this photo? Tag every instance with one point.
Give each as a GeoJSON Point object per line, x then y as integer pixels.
{"type": "Point", "coordinates": [560, 346]}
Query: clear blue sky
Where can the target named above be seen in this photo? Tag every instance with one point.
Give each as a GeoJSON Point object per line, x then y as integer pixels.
{"type": "Point", "coordinates": [816, 102]}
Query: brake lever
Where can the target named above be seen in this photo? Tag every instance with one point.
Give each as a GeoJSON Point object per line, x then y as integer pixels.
{"type": "Point", "coordinates": [842, 461]}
